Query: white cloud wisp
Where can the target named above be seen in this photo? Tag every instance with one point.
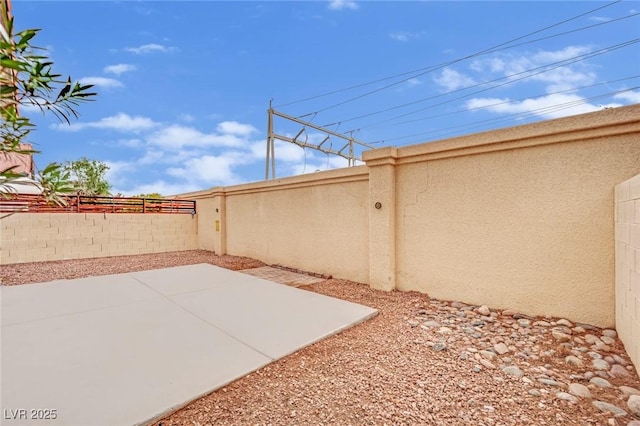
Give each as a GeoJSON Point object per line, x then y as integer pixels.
{"type": "Point", "coordinates": [150, 48]}
{"type": "Point", "coordinates": [108, 83]}
{"type": "Point", "coordinates": [118, 69]}
{"type": "Point", "coordinates": [343, 4]}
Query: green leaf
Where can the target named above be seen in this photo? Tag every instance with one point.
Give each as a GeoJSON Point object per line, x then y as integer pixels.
{"type": "Point", "coordinates": [63, 92]}
{"type": "Point", "coordinates": [25, 36]}
{"type": "Point", "coordinates": [13, 64]}
{"type": "Point", "coordinates": [30, 80]}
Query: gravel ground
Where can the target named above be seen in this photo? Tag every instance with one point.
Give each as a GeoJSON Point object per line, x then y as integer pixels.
{"type": "Point", "coordinates": [420, 361]}
{"type": "Point", "coordinates": [26, 273]}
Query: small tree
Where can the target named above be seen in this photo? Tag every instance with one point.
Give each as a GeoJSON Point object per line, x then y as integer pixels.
{"type": "Point", "coordinates": [88, 176]}
{"type": "Point", "coordinates": [26, 78]}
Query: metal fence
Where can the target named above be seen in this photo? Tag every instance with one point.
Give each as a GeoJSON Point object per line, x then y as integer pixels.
{"type": "Point", "coordinates": [88, 204]}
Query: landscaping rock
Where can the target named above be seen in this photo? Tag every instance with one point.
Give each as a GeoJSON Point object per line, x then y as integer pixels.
{"type": "Point", "coordinates": [580, 390]}
{"type": "Point", "coordinates": [606, 407]}
{"type": "Point", "coordinates": [634, 404]}
{"type": "Point", "coordinates": [574, 361]}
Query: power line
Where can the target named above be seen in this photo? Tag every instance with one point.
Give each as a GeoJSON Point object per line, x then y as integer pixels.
{"type": "Point", "coordinates": [434, 68]}
{"type": "Point", "coordinates": [610, 21]}
{"type": "Point", "coordinates": [426, 70]}
{"type": "Point", "coordinates": [528, 74]}
{"type": "Point", "coordinates": [510, 117]}
{"type": "Point", "coordinates": [549, 109]}
{"type": "Point", "coordinates": [573, 89]}
{"type": "Point", "coordinates": [515, 45]}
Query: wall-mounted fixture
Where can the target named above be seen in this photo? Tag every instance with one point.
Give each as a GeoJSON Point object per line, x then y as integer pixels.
{"type": "Point", "coordinates": [378, 205]}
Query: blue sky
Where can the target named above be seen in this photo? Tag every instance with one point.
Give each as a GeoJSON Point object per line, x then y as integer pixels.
{"type": "Point", "coordinates": [184, 87]}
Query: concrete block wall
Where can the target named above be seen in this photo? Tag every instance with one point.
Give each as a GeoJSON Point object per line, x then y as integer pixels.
{"type": "Point", "coordinates": [627, 214]}
{"type": "Point", "coordinates": [35, 237]}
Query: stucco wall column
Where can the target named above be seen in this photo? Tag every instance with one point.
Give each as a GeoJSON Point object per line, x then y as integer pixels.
{"type": "Point", "coordinates": [382, 218]}
{"type": "Point", "coordinates": [219, 224]}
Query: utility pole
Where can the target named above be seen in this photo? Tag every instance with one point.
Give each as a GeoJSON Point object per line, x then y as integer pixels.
{"type": "Point", "coordinates": [272, 136]}
{"type": "Point", "coordinates": [270, 146]}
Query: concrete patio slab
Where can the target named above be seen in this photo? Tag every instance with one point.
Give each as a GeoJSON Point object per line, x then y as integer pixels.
{"type": "Point", "coordinates": [303, 318]}
{"type": "Point", "coordinates": [126, 349]}
{"type": "Point", "coordinates": [62, 297]}
{"type": "Point", "coordinates": [170, 281]}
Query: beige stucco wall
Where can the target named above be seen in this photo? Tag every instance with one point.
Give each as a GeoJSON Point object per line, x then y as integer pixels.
{"type": "Point", "coordinates": [34, 237]}
{"type": "Point", "coordinates": [211, 217]}
{"type": "Point", "coordinates": [627, 213]}
{"type": "Point", "coordinates": [316, 222]}
{"type": "Point", "coordinates": [517, 218]}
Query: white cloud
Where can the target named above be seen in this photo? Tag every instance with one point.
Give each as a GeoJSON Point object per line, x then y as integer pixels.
{"type": "Point", "coordinates": [183, 171]}
{"type": "Point", "coordinates": [284, 151]}
{"type": "Point", "coordinates": [491, 64]}
{"type": "Point", "coordinates": [210, 169]}
{"type": "Point", "coordinates": [155, 156]}
{"type": "Point", "coordinates": [118, 69]}
{"type": "Point", "coordinates": [451, 79]}
{"type": "Point", "coordinates": [120, 122]}
{"type": "Point", "coordinates": [549, 106]}
{"type": "Point", "coordinates": [412, 82]}
{"type": "Point", "coordinates": [516, 68]}
{"type": "Point", "coordinates": [161, 187]}
{"type": "Point", "coordinates": [487, 103]}
{"type": "Point", "coordinates": [118, 172]}
{"type": "Point", "coordinates": [631, 96]}
{"type": "Point", "coordinates": [187, 118]}
{"type": "Point", "coordinates": [404, 36]}
{"type": "Point", "coordinates": [409, 84]}
{"type": "Point", "coordinates": [399, 36]}
{"type": "Point", "coordinates": [173, 159]}
{"type": "Point", "coordinates": [513, 64]}
{"type": "Point", "coordinates": [235, 128]}
{"type": "Point", "coordinates": [30, 108]}
{"type": "Point", "coordinates": [546, 56]}
{"type": "Point", "coordinates": [599, 18]}
{"type": "Point", "coordinates": [293, 160]}
{"type": "Point", "coordinates": [150, 48]}
{"type": "Point", "coordinates": [289, 152]}
{"type": "Point", "coordinates": [130, 143]}
{"type": "Point", "coordinates": [105, 82]}
{"type": "Point", "coordinates": [177, 136]}
{"type": "Point", "coordinates": [125, 123]}
{"type": "Point", "coordinates": [317, 162]}
{"type": "Point", "coordinates": [565, 78]}
{"type": "Point", "coordinates": [342, 4]}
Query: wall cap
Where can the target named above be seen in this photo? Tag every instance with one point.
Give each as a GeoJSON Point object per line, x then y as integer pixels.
{"type": "Point", "coordinates": [381, 156]}
{"type": "Point", "coordinates": [609, 122]}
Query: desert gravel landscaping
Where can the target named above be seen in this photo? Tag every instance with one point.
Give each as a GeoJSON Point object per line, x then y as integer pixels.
{"type": "Point", "coordinates": [26, 273]}
{"type": "Point", "coordinates": [420, 361]}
